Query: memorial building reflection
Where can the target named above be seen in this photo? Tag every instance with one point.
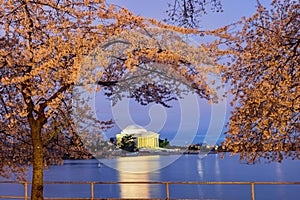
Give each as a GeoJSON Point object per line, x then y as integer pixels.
{"type": "Point", "coordinates": [139, 169]}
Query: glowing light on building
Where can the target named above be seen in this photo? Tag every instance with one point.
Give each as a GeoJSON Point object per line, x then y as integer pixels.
{"type": "Point", "coordinates": [142, 137]}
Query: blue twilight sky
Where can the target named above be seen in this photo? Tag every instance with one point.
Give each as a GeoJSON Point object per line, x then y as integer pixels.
{"type": "Point", "coordinates": [192, 119]}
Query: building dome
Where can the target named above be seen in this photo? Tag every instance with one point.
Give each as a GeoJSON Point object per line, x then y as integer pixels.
{"type": "Point", "coordinates": [134, 129]}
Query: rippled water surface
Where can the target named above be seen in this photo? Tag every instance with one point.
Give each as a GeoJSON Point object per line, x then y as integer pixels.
{"type": "Point", "coordinates": [170, 168]}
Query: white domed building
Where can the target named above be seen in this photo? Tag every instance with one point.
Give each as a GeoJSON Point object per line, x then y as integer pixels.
{"type": "Point", "coordinates": [143, 138]}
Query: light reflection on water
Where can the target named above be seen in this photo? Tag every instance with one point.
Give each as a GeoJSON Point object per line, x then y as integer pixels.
{"type": "Point", "coordinates": [134, 164]}
{"type": "Point", "coordinates": [186, 168]}
{"type": "Point", "coordinates": [136, 169]}
{"type": "Point", "coordinates": [140, 164]}
{"type": "Point", "coordinates": [200, 169]}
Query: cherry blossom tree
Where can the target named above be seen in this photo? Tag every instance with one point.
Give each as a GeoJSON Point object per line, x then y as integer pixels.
{"type": "Point", "coordinates": [262, 64]}
{"type": "Point", "coordinates": [44, 47]}
{"type": "Point", "coordinates": [263, 60]}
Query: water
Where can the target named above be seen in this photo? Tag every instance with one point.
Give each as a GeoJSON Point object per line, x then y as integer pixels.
{"type": "Point", "coordinates": [185, 168]}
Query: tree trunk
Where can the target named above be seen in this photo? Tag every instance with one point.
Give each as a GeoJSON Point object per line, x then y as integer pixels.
{"type": "Point", "coordinates": [37, 190]}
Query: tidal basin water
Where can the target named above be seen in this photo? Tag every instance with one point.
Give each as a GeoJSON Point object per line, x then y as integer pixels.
{"type": "Point", "coordinates": [182, 168]}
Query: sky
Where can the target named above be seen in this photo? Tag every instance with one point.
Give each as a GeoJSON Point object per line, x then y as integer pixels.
{"type": "Point", "coordinates": [191, 120]}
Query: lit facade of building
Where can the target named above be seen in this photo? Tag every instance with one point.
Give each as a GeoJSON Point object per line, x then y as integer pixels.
{"type": "Point", "coordinates": [143, 138]}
